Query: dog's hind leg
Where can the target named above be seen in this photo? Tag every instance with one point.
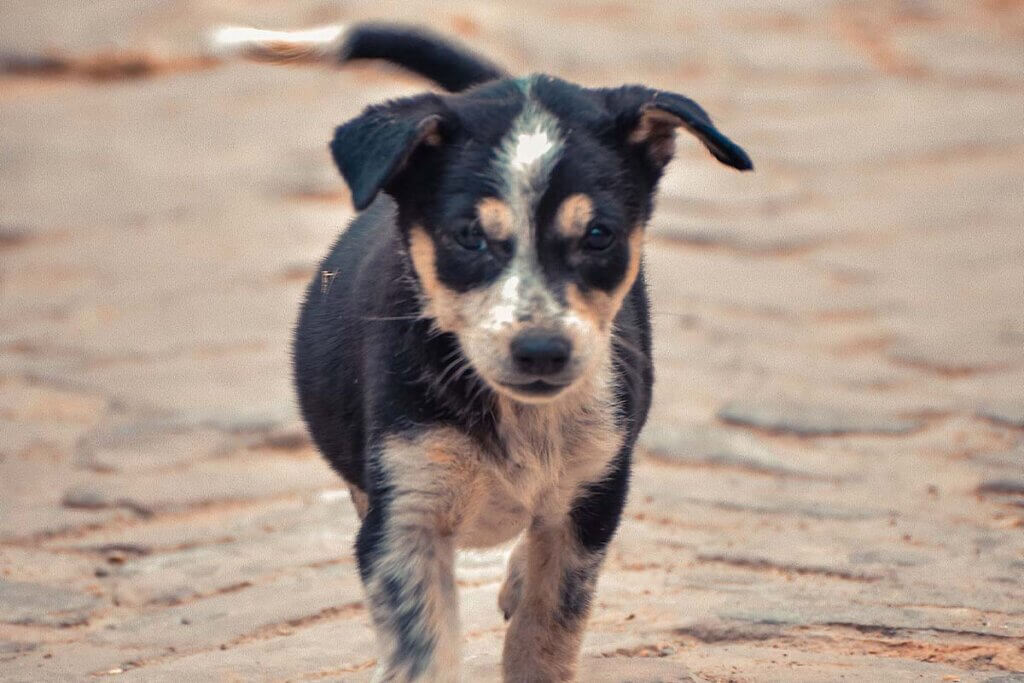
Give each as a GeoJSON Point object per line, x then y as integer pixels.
{"type": "Point", "coordinates": [406, 553]}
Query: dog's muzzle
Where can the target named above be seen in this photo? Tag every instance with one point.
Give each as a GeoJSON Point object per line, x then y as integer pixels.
{"type": "Point", "coordinates": [540, 359]}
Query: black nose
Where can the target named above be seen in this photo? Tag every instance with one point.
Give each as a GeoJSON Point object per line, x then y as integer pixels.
{"type": "Point", "coordinates": [540, 353]}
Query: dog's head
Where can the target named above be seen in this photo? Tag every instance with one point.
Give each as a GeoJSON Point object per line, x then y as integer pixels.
{"type": "Point", "coordinates": [522, 204]}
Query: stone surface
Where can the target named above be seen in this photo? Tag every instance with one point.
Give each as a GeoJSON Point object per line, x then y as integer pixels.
{"type": "Point", "coordinates": [812, 420]}
{"type": "Point", "coordinates": [37, 604]}
{"type": "Point", "coordinates": [830, 482]}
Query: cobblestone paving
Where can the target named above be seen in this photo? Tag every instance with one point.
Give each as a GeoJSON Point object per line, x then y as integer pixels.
{"type": "Point", "coordinates": [832, 481]}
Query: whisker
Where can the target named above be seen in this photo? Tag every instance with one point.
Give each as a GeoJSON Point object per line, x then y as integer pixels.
{"type": "Point", "coordinates": [476, 394]}
{"type": "Point", "coordinates": [461, 373]}
{"type": "Point", "coordinates": [626, 345]}
{"type": "Point", "coordinates": [633, 361]}
{"type": "Point", "coordinates": [456, 368]}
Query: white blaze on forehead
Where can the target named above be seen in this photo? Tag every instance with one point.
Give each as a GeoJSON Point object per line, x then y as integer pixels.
{"type": "Point", "coordinates": [528, 153]}
{"type": "Point", "coordinates": [531, 148]}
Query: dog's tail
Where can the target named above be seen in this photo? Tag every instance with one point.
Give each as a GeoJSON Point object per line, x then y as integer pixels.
{"type": "Point", "coordinates": [451, 66]}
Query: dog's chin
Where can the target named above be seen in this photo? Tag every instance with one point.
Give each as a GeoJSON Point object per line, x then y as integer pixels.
{"type": "Point", "coordinates": [536, 392]}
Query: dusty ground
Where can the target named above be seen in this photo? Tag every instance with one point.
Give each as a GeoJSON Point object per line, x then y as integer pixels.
{"type": "Point", "coordinates": [832, 481]}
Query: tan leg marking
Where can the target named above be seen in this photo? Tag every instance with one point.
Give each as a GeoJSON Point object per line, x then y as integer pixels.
{"type": "Point", "coordinates": [544, 635]}
{"type": "Point", "coordinates": [411, 586]}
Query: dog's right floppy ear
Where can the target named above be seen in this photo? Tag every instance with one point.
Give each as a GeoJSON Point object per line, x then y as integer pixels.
{"type": "Point", "coordinates": [372, 150]}
{"type": "Point", "coordinates": [649, 119]}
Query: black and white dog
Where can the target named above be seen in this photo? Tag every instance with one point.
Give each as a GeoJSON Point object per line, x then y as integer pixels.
{"type": "Point", "coordinates": [474, 357]}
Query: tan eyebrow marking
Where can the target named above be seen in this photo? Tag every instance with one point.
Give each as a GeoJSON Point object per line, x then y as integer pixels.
{"type": "Point", "coordinates": [495, 218]}
{"type": "Point", "coordinates": [574, 214]}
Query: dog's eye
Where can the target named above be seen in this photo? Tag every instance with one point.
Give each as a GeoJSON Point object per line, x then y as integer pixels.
{"type": "Point", "coordinates": [597, 238]}
{"type": "Point", "coordinates": [471, 236]}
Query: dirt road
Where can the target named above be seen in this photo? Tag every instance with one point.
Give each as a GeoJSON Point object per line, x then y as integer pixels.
{"type": "Point", "coordinates": [831, 484]}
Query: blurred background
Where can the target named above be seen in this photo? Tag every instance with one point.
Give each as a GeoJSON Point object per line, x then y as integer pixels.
{"type": "Point", "coordinates": [832, 480]}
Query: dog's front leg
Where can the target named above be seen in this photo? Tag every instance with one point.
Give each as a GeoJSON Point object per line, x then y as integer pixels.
{"type": "Point", "coordinates": [411, 591]}
{"type": "Point", "coordinates": [553, 573]}
{"type": "Point", "coordinates": [559, 575]}
{"type": "Point", "coordinates": [406, 550]}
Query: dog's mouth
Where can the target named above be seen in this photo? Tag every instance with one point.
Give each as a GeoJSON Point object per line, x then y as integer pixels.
{"type": "Point", "coordinates": [537, 389]}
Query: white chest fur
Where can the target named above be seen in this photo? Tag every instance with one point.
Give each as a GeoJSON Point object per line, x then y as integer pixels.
{"type": "Point", "coordinates": [550, 452]}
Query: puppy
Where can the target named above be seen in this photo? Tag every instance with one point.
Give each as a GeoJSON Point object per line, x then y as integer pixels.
{"type": "Point", "coordinates": [474, 356]}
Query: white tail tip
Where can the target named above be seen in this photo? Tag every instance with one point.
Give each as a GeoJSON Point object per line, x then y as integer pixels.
{"type": "Point", "coordinates": [316, 45]}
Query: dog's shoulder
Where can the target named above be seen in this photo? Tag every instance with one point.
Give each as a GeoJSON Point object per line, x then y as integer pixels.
{"type": "Point", "coordinates": [346, 307]}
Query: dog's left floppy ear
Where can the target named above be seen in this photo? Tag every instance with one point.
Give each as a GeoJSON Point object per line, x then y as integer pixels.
{"type": "Point", "coordinates": [651, 118]}
{"type": "Point", "coordinates": [372, 150]}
